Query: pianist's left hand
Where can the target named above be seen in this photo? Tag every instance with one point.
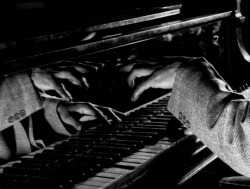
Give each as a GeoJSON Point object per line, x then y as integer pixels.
{"type": "Point", "coordinates": [75, 114]}
{"type": "Point", "coordinates": [52, 79]}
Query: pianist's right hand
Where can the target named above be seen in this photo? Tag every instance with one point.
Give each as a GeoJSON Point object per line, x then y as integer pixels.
{"type": "Point", "coordinates": [158, 75]}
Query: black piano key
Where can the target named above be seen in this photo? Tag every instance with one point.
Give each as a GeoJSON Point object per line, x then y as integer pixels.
{"type": "Point", "coordinates": [122, 125]}
{"type": "Point", "coordinates": [115, 149]}
{"type": "Point", "coordinates": [133, 147]}
{"type": "Point", "coordinates": [150, 137]}
{"type": "Point", "coordinates": [138, 117]}
{"type": "Point", "coordinates": [94, 167]}
{"type": "Point", "coordinates": [135, 120]}
{"type": "Point", "coordinates": [157, 106]}
{"type": "Point", "coordinates": [84, 140]}
{"type": "Point", "coordinates": [115, 156]}
{"type": "Point", "coordinates": [9, 184]}
{"type": "Point", "coordinates": [125, 165]}
{"type": "Point", "coordinates": [63, 153]}
{"type": "Point", "coordinates": [70, 173]}
{"type": "Point", "coordinates": [37, 183]}
{"type": "Point", "coordinates": [138, 143]}
{"type": "Point", "coordinates": [157, 130]}
{"type": "Point", "coordinates": [103, 161]}
{"type": "Point", "coordinates": [12, 177]}
{"type": "Point", "coordinates": [99, 136]}
{"type": "Point", "coordinates": [160, 131]}
{"type": "Point", "coordinates": [145, 133]}
{"type": "Point", "coordinates": [31, 165]}
{"type": "Point", "coordinates": [153, 124]}
{"type": "Point", "coordinates": [160, 119]}
{"type": "Point", "coordinates": [71, 146]}
{"type": "Point", "coordinates": [147, 139]}
{"type": "Point", "coordinates": [33, 160]}
{"type": "Point", "coordinates": [60, 157]}
{"type": "Point", "coordinates": [22, 171]}
{"type": "Point", "coordinates": [142, 113]}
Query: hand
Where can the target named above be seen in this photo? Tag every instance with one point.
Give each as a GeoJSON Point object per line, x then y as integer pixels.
{"type": "Point", "coordinates": [163, 78]}
{"type": "Point", "coordinates": [157, 74]}
{"type": "Point", "coordinates": [86, 112]}
{"type": "Point", "coordinates": [52, 79]}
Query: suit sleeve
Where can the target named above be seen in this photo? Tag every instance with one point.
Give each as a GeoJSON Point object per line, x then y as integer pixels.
{"type": "Point", "coordinates": [219, 117]}
{"type": "Point", "coordinates": [18, 99]}
{"type": "Point", "coordinates": [51, 115]}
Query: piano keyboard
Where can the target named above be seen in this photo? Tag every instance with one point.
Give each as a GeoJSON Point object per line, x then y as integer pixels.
{"type": "Point", "coordinates": [103, 157]}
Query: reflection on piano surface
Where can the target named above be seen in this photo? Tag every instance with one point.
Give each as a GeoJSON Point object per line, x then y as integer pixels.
{"type": "Point", "coordinates": [148, 141]}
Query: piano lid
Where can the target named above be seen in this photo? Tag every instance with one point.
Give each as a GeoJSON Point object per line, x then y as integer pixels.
{"type": "Point", "coordinates": [22, 19]}
{"type": "Point", "coordinates": [37, 32]}
{"type": "Point", "coordinates": [52, 19]}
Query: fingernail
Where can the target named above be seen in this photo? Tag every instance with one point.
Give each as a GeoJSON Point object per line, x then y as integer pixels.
{"type": "Point", "coordinates": [132, 84]}
{"type": "Point", "coordinates": [132, 99]}
{"type": "Point", "coordinates": [85, 82]}
{"type": "Point", "coordinates": [68, 99]}
{"type": "Point", "coordinates": [75, 82]}
{"type": "Point", "coordinates": [79, 128]}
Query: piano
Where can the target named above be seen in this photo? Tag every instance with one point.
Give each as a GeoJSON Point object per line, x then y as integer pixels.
{"type": "Point", "coordinates": [148, 147]}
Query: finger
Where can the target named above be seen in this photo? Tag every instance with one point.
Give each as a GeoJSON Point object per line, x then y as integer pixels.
{"type": "Point", "coordinates": [81, 69]}
{"type": "Point", "coordinates": [85, 82]}
{"type": "Point", "coordinates": [110, 113]}
{"type": "Point", "coordinates": [62, 92]}
{"type": "Point", "coordinates": [140, 89]}
{"type": "Point", "coordinates": [100, 113]}
{"type": "Point", "coordinates": [89, 36]}
{"type": "Point", "coordinates": [69, 120]}
{"type": "Point", "coordinates": [126, 68]}
{"type": "Point", "coordinates": [70, 65]}
{"type": "Point", "coordinates": [136, 73]}
{"type": "Point", "coordinates": [115, 114]}
{"type": "Point", "coordinates": [69, 76]}
{"type": "Point", "coordinates": [115, 117]}
{"type": "Point", "coordinates": [88, 110]}
{"type": "Point", "coordinates": [82, 109]}
{"type": "Point", "coordinates": [87, 118]}
{"type": "Point", "coordinates": [120, 114]}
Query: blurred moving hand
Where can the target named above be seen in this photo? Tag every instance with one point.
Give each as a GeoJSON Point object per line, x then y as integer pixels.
{"type": "Point", "coordinates": [53, 78]}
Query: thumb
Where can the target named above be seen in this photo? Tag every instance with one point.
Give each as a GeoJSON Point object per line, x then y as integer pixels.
{"type": "Point", "coordinates": [140, 89]}
{"type": "Point", "coordinates": [69, 120]}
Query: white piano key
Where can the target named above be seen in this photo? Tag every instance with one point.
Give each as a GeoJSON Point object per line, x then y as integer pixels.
{"type": "Point", "coordinates": [81, 186]}
{"type": "Point", "coordinates": [150, 150]}
{"type": "Point", "coordinates": [144, 154]}
{"type": "Point", "coordinates": [108, 183]}
{"type": "Point", "coordinates": [118, 178]}
{"type": "Point", "coordinates": [95, 184]}
{"type": "Point", "coordinates": [101, 179]}
{"type": "Point", "coordinates": [117, 170]}
{"type": "Point", "coordinates": [134, 160]}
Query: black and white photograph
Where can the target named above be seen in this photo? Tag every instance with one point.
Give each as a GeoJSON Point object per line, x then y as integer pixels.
{"type": "Point", "coordinates": [124, 94]}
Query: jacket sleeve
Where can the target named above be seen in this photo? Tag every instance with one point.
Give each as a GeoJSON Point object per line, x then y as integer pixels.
{"type": "Point", "coordinates": [51, 115]}
{"type": "Point", "coordinates": [219, 117]}
{"type": "Point", "coordinates": [18, 99]}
